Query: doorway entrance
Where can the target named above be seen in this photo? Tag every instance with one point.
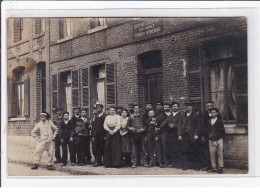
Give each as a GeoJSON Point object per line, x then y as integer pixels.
{"type": "Point", "coordinates": [152, 66]}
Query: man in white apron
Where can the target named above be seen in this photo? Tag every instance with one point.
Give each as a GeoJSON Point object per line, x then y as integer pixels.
{"type": "Point", "coordinates": [44, 133]}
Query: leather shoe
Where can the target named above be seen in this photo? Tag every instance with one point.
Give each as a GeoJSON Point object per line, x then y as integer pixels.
{"type": "Point", "coordinates": [34, 167]}
{"type": "Point", "coordinates": [50, 167]}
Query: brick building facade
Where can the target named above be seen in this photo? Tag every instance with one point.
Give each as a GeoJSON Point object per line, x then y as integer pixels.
{"type": "Point", "coordinates": [132, 60]}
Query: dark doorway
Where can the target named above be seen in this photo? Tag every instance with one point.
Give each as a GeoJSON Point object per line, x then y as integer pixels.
{"type": "Point", "coordinates": [152, 65]}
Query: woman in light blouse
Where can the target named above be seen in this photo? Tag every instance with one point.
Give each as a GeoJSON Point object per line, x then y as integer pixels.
{"type": "Point", "coordinates": [112, 152]}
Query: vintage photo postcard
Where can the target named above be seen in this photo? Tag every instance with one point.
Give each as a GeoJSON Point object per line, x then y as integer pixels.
{"type": "Point", "coordinates": [127, 96]}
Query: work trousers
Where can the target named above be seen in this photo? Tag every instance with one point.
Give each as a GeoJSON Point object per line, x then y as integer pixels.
{"type": "Point", "coordinates": [216, 147]}
{"type": "Point", "coordinates": [138, 146]}
{"type": "Point", "coordinates": [98, 148]}
{"type": "Point", "coordinates": [161, 148]}
{"type": "Point", "coordinates": [174, 148]}
{"type": "Point", "coordinates": [150, 141]}
{"type": "Point", "coordinates": [57, 148]}
{"type": "Point", "coordinates": [42, 146]}
{"type": "Point", "coordinates": [64, 146]}
{"type": "Point", "coordinates": [80, 148]}
{"type": "Point", "coordinates": [88, 154]}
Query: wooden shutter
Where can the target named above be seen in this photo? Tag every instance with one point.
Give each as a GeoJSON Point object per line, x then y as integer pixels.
{"type": "Point", "coordinates": [194, 73]}
{"type": "Point", "coordinates": [85, 87]}
{"type": "Point", "coordinates": [75, 88]}
{"type": "Point", "coordinates": [240, 66]}
{"type": "Point", "coordinates": [17, 29]}
{"type": "Point", "coordinates": [12, 99]}
{"type": "Point", "coordinates": [61, 28]}
{"type": "Point", "coordinates": [54, 91]}
{"type": "Point", "coordinates": [110, 84]}
{"type": "Point", "coordinates": [27, 97]}
{"type": "Point", "coordinates": [38, 25]}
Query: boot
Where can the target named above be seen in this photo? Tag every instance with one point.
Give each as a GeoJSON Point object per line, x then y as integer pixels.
{"type": "Point", "coordinates": [50, 167]}
{"type": "Point", "coordinates": [220, 170]}
{"type": "Point", "coordinates": [34, 167]}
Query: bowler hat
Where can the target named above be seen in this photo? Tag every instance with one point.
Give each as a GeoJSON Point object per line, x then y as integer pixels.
{"type": "Point", "coordinates": [214, 108]}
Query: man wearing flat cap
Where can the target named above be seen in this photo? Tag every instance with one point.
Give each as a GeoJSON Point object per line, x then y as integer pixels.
{"type": "Point", "coordinates": [159, 108]}
{"type": "Point", "coordinates": [44, 133]}
{"type": "Point", "coordinates": [75, 116]}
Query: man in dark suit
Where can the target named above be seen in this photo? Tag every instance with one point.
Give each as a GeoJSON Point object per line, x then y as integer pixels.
{"type": "Point", "coordinates": [86, 123]}
{"type": "Point", "coordinates": [173, 126]}
{"type": "Point", "coordinates": [189, 137]}
{"type": "Point", "coordinates": [98, 135]}
{"type": "Point", "coordinates": [159, 108]}
{"type": "Point", "coordinates": [161, 146]}
{"type": "Point", "coordinates": [75, 116]}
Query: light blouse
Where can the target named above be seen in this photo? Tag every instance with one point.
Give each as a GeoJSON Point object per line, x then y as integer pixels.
{"type": "Point", "coordinates": [112, 121]}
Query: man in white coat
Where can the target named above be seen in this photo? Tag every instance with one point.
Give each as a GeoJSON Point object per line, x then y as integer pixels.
{"type": "Point", "coordinates": [44, 133]}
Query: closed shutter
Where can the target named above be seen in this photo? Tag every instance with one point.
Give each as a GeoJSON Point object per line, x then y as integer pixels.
{"type": "Point", "coordinates": [17, 29]}
{"type": "Point", "coordinates": [12, 99]}
{"type": "Point", "coordinates": [75, 88]}
{"type": "Point", "coordinates": [110, 84]}
{"type": "Point", "coordinates": [194, 73]}
{"type": "Point", "coordinates": [85, 87]}
{"type": "Point", "coordinates": [61, 28]}
{"type": "Point", "coordinates": [27, 97]}
{"type": "Point", "coordinates": [38, 25]}
{"type": "Point", "coordinates": [54, 91]}
{"type": "Point", "coordinates": [240, 66]}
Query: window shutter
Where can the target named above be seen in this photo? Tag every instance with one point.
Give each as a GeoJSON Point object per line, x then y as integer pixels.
{"type": "Point", "coordinates": [12, 99]}
{"type": "Point", "coordinates": [85, 93]}
{"type": "Point", "coordinates": [27, 97]}
{"type": "Point", "coordinates": [54, 91]}
{"type": "Point", "coordinates": [17, 29]}
{"type": "Point", "coordinates": [110, 84]}
{"type": "Point", "coordinates": [75, 88]}
{"type": "Point", "coordinates": [61, 28]}
{"type": "Point", "coordinates": [38, 25]}
{"type": "Point", "coordinates": [240, 65]}
{"type": "Point", "coordinates": [194, 73]}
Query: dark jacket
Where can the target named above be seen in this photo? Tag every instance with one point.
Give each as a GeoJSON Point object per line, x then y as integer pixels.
{"type": "Point", "coordinates": [151, 125]}
{"type": "Point", "coordinates": [160, 119]}
{"type": "Point", "coordinates": [98, 125]}
{"type": "Point", "coordinates": [80, 133]}
{"type": "Point", "coordinates": [216, 131]}
{"type": "Point", "coordinates": [74, 119]}
{"type": "Point", "coordinates": [65, 130]}
{"type": "Point", "coordinates": [176, 121]}
{"type": "Point", "coordinates": [191, 124]}
{"type": "Point", "coordinates": [158, 112]}
{"type": "Point", "coordinates": [137, 122]}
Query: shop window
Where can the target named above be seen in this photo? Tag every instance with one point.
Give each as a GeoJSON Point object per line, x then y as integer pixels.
{"type": "Point", "coordinates": [39, 25]}
{"type": "Point", "coordinates": [18, 29]}
{"type": "Point", "coordinates": [218, 72]}
{"type": "Point", "coordinates": [65, 28]}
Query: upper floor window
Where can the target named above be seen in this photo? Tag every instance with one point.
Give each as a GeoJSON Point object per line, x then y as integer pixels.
{"type": "Point", "coordinates": [39, 25]}
{"type": "Point", "coordinates": [65, 27]}
{"type": "Point", "coordinates": [18, 28]}
{"type": "Point", "coordinates": [98, 23]}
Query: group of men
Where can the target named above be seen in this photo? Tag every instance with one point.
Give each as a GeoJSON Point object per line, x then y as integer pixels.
{"type": "Point", "coordinates": [162, 135]}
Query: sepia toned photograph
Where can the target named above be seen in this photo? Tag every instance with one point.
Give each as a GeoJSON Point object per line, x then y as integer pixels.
{"type": "Point", "coordinates": [127, 96]}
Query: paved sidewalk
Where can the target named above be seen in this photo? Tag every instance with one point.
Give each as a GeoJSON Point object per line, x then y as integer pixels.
{"type": "Point", "coordinates": [24, 155]}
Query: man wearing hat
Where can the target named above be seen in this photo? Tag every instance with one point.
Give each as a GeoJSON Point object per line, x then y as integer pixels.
{"type": "Point", "coordinates": [189, 137]}
{"type": "Point", "coordinates": [44, 133]}
{"type": "Point", "coordinates": [57, 121]}
{"type": "Point", "coordinates": [216, 133]}
{"type": "Point", "coordinates": [159, 108]}
{"type": "Point", "coordinates": [98, 135]}
{"type": "Point", "coordinates": [130, 109]}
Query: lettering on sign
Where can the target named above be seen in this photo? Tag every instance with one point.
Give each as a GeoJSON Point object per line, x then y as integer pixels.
{"type": "Point", "coordinates": [147, 28]}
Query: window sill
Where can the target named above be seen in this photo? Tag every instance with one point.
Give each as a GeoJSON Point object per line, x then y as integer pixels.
{"type": "Point", "coordinates": [64, 39]}
{"type": "Point", "coordinates": [97, 29]}
{"type": "Point", "coordinates": [38, 35]}
{"type": "Point", "coordinates": [232, 128]}
{"type": "Point", "coordinates": [17, 119]}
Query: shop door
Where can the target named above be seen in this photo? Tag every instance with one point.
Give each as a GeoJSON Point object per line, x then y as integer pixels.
{"type": "Point", "coordinates": [153, 87]}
